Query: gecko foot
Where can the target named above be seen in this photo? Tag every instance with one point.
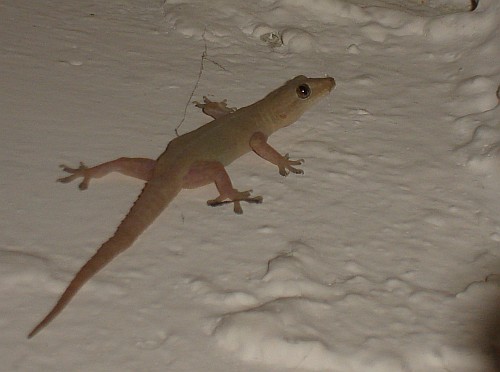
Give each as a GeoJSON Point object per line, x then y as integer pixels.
{"type": "Point", "coordinates": [81, 171]}
{"type": "Point", "coordinates": [214, 109]}
{"type": "Point", "coordinates": [286, 166]}
{"type": "Point", "coordinates": [239, 197]}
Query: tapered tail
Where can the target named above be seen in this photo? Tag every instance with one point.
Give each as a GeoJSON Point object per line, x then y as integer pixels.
{"type": "Point", "coordinates": [150, 203]}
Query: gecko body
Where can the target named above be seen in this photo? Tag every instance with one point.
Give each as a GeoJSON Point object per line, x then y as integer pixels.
{"type": "Point", "coordinates": [196, 159]}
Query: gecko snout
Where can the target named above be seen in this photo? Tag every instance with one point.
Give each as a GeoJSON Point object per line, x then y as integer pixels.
{"type": "Point", "coordinates": [332, 82]}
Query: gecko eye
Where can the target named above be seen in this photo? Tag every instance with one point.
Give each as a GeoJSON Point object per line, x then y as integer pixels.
{"type": "Point", "coordinates": [303, 91]}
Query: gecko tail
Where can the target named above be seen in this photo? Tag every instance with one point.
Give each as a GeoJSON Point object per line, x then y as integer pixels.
{"type": "Point", "coordinates": [100, 259]}
{"type": "Point", "coordinates": [147, 207]}
{"type": "Point", "coordinates": [96, 262]}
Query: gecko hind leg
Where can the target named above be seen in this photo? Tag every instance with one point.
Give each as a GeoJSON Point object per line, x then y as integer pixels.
{"type": "Point", "coordinates": [141, 168]}
{"type": "Point", "coordinates": [206, 172]}
{"type": "Point", "coordinates": [236, 202]}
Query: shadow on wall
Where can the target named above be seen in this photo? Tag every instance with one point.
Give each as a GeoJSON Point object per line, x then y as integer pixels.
{"type": "Point", "coordinates": [491, 330]}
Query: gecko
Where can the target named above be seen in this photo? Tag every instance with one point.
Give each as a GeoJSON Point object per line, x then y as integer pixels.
{"type": "Point", "coordinates": [195, 159]}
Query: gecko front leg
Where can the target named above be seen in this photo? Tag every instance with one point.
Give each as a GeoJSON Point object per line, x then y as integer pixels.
{"type": "Point", "coordinates": [141, 168]}
{"type": "Point", "coordinates": [214, 109]}
{"type": "Point", "coordinates": [259, 145]}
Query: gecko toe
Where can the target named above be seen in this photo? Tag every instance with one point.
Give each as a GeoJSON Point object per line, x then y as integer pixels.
{"type": "Point", "coordinates": [237, 207]}
{"type": "Point", "coordinates": [84, 185]}
{"type": "Point", "coordinates": [287, 165]}
{"type": "Point", "coordinates": [81, 171]}
{"type": "Point", "coordinates": [66, 179]}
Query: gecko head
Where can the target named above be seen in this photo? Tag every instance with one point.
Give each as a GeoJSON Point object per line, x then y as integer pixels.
{"type": "Point", "coordinates": [296, 96]}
